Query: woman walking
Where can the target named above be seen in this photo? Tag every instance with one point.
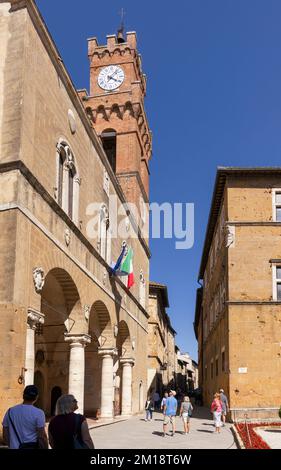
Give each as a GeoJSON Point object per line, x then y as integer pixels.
{"type": "Point", "coordinates": [186, 413]}
{"type": "Point", "coordinates": [69, 430]}
{"type": "Point", "coordinates": [149, 407]}
{"type": "Point", "coordinates": [216, 409]}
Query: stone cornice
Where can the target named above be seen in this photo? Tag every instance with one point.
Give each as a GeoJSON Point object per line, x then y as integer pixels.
{"type": "Point", "coordinates": [255, 223]}
{"type": "Point", "coordinates": [253, 302]}
{"type": "Point", "coordinates": [57, 62]}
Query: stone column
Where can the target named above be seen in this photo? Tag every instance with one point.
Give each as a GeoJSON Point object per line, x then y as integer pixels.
{"type": "Point", "coordinates": [77, 366]}
{"type": "Point", "coordinates": [127, 365]}
{"type": "Point", "coordinates": [107, 382]}
{"type": "Point", "coordinates": [34, 318]}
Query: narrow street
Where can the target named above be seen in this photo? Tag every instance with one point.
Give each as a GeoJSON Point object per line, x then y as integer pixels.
{"type": "Point", "coordinates": [136, 433]}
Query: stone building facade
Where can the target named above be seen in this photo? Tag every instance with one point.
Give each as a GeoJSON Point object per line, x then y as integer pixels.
{"type": "Point", "coordinates": [238, 309]}
{"type": "Point", "coordinates": [65, 323]}
{"type": "Point", "coordinates": [161, 340]}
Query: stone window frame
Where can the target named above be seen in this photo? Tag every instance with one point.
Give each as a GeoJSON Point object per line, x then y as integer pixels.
{"type": "Point", "coordinates": [66, 163]}
{"type": "Point", "coordinates": [275, 281]}
{"type": "Point", "coordinates": [212, 369]}
{"type": "Point", "coordinates": [275, 204]}
{"type": "Point", "coordinates": [223, 363]}
{"type": "Point", "coordinates": [104, 234]}
{"type": "Point", "coordinates": [142, 292]}
{"type": "Point", "coordinates": [217, 366]}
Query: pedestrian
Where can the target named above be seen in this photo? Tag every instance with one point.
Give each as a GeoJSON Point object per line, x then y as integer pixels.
{"type": "Point", "coordinates": [216, 409]}
{"type": "Point", "coordinates": [156, 400]}
{"type": "Point", "coordinates": [69, 430]}
{"type": "Point", "coordinates": [24, 424]}
{"type": "Point", "coordinates": [170, 411]}
{"type": "Point", "coordinates": [149, 407]}
{"type": "Point", "coordinates": [164, 399]}
{"type": "Point", "coordinates": [225, 407]}
{"type": "Point", "coordinates": [186, 413]}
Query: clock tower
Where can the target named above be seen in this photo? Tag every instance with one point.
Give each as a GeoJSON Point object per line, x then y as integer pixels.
{"type": "Point", "coordinates": [116, 107]}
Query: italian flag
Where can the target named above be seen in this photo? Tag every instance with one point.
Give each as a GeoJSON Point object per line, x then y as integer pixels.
{"type": "Point", "coordinates": [127, 267]}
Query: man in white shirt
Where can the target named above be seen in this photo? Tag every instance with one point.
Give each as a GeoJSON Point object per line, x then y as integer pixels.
{"type": "Point", "coordinates": [24, 424]}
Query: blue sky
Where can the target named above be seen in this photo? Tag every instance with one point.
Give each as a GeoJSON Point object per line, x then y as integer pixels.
{"type": "Point", "coordinates": [213, 98]}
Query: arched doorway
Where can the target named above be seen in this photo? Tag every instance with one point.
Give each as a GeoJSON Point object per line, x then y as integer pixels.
{"type": "Point", "coordinates": [61, 306]}
{"type": "Point", "coordinates": [100, 330]}
{"type": "Point", "coordinates": [55, 394]}
{"type": "Point", "coordinates": [39, 382]}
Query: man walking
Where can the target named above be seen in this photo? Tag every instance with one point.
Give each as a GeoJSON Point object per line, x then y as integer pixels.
{"type": "Point", "coordinates": [170, 411]}
{"type": "Point", "coordinates": [225, 407]}
{"type": "Point", "coordinates": [24, 425]}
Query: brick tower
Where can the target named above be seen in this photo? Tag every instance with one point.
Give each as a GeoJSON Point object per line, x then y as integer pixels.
{"type": "Point", "coordinates": [116, 106]}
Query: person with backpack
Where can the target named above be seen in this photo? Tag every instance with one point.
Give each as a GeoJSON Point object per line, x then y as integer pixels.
{"type": "Point", "coordinates": [186, 413]}
{"type": "Point", "coordinates": [24, 424]}
{"type": "Point", "coordinates": [69, 430]}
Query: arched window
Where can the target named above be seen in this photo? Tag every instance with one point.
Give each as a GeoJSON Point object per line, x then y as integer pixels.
{"type": "Point", "coordinates": [68, 181]}
{"type": "Point", "coordinates": [105, 234]}
{"type": "Point", "coordinates": [142, 289]}
{"type": "Point", "coordinates": [108, 138]}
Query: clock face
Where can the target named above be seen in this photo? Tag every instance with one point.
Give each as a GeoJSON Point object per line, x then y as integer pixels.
{"type": "Point", "coordinates": [111, 77]}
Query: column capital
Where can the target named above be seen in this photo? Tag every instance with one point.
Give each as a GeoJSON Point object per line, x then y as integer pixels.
{"type": "Point", "coordinates": [107, 352]}
{"type": "Point", "coordinates": [127, 361]}
{"type": "Point", "coordinates": [78, 340]}
{"type": "Point", "coordinates": [34, 318]}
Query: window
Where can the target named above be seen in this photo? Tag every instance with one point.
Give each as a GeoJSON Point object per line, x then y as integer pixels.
{"type": "Point", "coordinates": [276, 195]}
{"type": "Point", "coordinates": [104, 241]}
{"type": "Point", "coordinates": [108, 138]}
{"type": "Point", "coordinates": [217, 366]}
{"type": "Point", "coordinates": [68, 181]}
{"type": "Point", "coordinates": [277, 283]}
{"type": "Point", "coordinates": [223, 361]}
{"type": "Point", "coordinates": [142, 289]}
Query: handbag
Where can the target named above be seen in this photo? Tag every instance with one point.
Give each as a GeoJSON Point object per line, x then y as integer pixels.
{"type": "Point", "coordinates": [22, 445]}
{"type": "Point", "coordinates": [189, 411]}
{"type": "Point", "coordinates": [78, 443]}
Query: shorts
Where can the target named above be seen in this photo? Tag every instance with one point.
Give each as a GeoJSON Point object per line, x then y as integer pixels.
{"type": "Point", "coordinates": [217, 419]}
{"type": "Point", "coordinates": [185, 418]}
{"type": "Point", "coordinates": [169, 419]}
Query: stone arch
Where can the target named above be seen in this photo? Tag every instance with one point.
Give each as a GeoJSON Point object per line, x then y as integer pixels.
{"type": "Point", "coordinates": [124, 343]}
{"type": "Point", "coordinates": [61, 305]}
{"type": "Point", "coordinates": [115, 111]}
{"type": "Point", "coordinates": [100, 324]}
{"type": "Point", "coordinates": [101, 113]}
{"type": "Point", "coordinates": [128, 110]}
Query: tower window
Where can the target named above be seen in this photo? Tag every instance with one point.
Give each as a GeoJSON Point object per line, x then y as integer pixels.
{"type": "Point", "coordinates": [108, 138]}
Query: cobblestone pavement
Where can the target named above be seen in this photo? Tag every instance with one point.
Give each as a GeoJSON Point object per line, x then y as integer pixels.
{"type": "Point", "coordinates": [136, 433]}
